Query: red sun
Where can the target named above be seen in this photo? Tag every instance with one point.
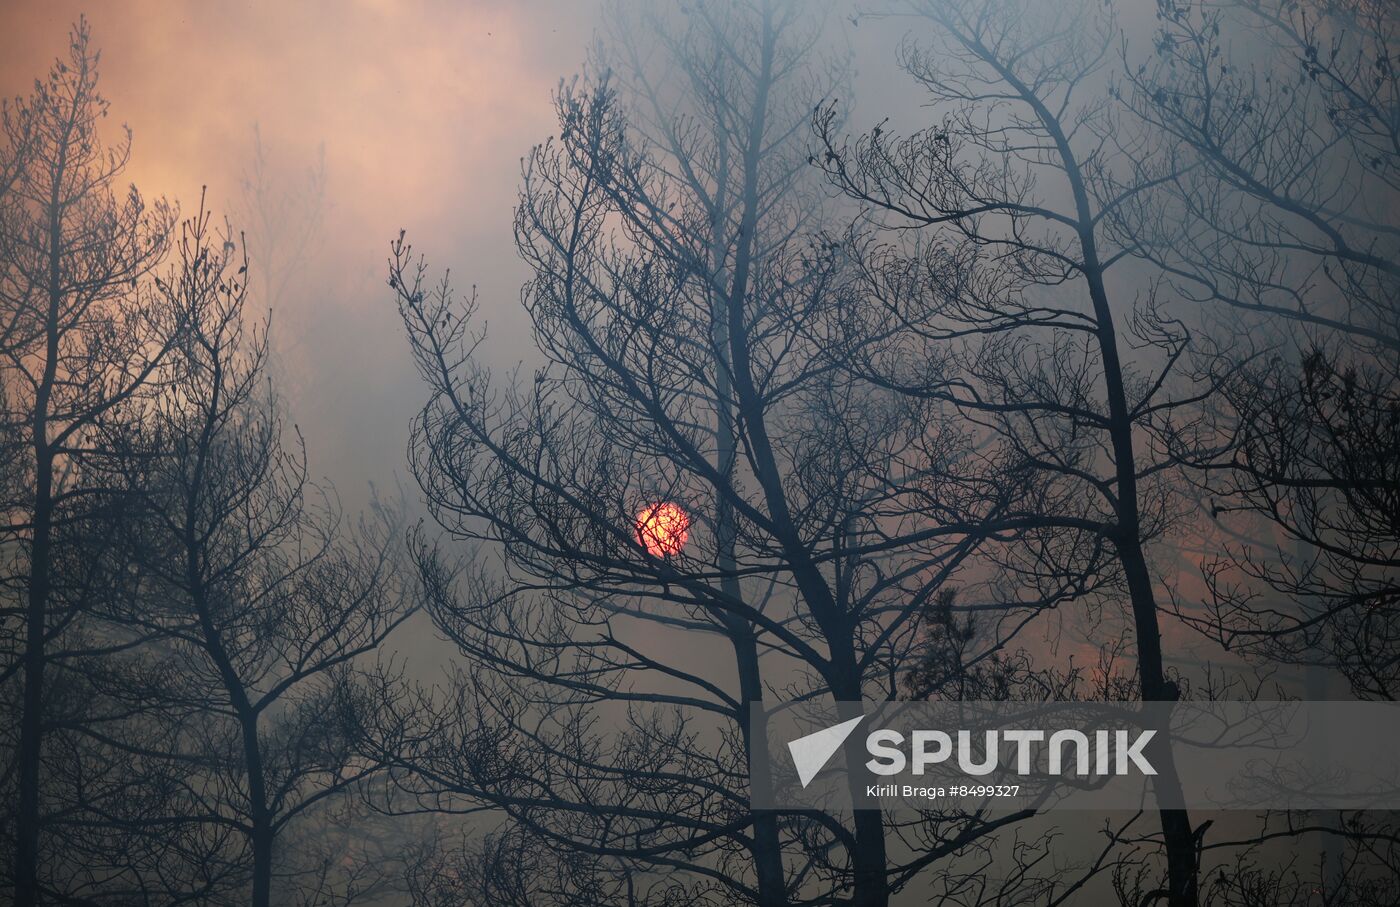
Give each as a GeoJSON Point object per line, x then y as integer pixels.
{"type": "Point", "coordinates": [663, 529]}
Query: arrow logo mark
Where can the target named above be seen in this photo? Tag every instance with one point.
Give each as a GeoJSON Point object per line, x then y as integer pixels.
{"type": "Point", "coordinates": [810, 753]}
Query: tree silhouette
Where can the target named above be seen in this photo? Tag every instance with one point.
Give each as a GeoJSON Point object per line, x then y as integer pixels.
{"type": "Point", "coordinates": [258, 607]}
{"type": "Point", "coordinates": [1280, 124]}
{"type": "Point", "coordinates": [1285, 219]}
{"type": "Point", "coordinates": [1088, 372]}
{"type": "Point", "coordinates": [1017, 192]}
{"type": "Point", "coordinates": [683, 302]}
{"type": "Point", "coordinates": [84, 336]}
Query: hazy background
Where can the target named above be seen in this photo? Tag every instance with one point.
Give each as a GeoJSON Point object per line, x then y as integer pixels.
{"type": "Point", "coordinates": [424, 109]}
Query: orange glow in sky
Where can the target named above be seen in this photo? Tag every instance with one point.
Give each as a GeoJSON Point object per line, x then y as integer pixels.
{"type": "Point", "coordinates": [423, 109]}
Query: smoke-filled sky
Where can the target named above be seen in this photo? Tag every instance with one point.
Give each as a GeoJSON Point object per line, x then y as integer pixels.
{"type": "Point", "coordinates": [424, 109]}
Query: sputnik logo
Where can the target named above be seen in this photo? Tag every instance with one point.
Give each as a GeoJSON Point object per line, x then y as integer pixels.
{"type": "Point", "coordinates": [811, 753]}
{"type": "Point", "coordinates": [932, 747]}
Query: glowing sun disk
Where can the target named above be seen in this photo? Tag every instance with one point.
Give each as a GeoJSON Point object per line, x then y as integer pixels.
{"type": "Point", "coordinates": [663, 529]}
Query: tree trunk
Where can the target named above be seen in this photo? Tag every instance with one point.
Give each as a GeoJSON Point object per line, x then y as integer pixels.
{"type": "Point", "coordinates": [1179, 839]}
{"type": "Point", "coordinates": [40, 567]}
{"type": "Point", "coordinates": [1176, 823]}
{"type": "Point", "coordinates": [261, 837]}
{"type": "Point", "coordinates": [31, 721]}
{"type": "Point", "coordinates": [261, 831]}
{"type": "Point", "coordinates": [870, 881]}
{"type": "Point", "coordinates": [767, 852]}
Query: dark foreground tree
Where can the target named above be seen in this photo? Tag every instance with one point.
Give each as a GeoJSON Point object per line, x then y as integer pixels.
{"type": "Point", "coordinates": [687, 314]}
{"type": "Point", "coordinates": [84, 334]}
{"type": "Point", "coordinates": [1016, 192]}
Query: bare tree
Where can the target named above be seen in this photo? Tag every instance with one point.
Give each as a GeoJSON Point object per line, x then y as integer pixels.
{"type": "Point", "coordinates": [1280, 121]}
{"type": "Point", "coordinates": [256, 605]}
{"type": "Point", "coordinates": [85, 334]}
{"type": "Point", "coordinates": [1284, 220]}
{"type": "Point", "coordinates": [680, 299]}
{"type": "Point", "coordinates": [1016, 194]}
